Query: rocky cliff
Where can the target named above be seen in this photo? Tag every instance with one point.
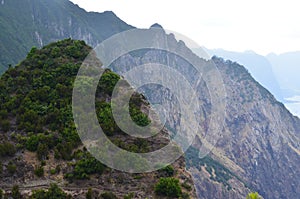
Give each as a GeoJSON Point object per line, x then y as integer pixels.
{"type": "Point", "coordinates": [259, 145]}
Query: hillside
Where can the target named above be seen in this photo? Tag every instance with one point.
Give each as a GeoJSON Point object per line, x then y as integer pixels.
{"type": "Point", "coordinates": [40, 146]}
{"type": "Point", "coordinates": [258, 148]}
{"type": "Point", "coordinates": [258, 66]}
{"type": "Point", "coordinates": [27, 23]}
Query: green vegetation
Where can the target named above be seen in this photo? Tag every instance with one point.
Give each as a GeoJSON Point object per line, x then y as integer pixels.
{"type": "Point", "coordinates": [89, 194]}
{"type": "Point", "coordinates": [186, 186]}
{"type": "Point", "coordinates": [7, 149]}
{"type": "Point", "coordinates": [168, 187]}
{"type": "Point", "coordinates": [217, 171]}
{"type": "Point", "coordinates": [85, 166]}
{"type": "Point", "coordinates": [38, 93]}
{"type": "Point", "coordinates": [39, 171]}
{"type": "Point", "coordinates": [167, 171]}
{"type": "Point", "coordinates": [253, 196]}
{"type": "Point", "coordinates": [54, 192]}
{"type": "Point", "coordinates": [11, 167]}
{"type": "Point", "coordinates": [15, 193]}
{"type": "Point", "coordinates": [108, 195]}
{"type": "Point", "coordinates": [36, 98]}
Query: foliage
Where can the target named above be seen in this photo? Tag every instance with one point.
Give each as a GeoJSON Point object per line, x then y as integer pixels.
{"type": "Point", "coordinates": [186, 186]}
{"type": "Point", "coordinates": [167, 171]}
{"type": "Point", "coordinates": [108, 195]}
{"type": "Point", "coordinates": [37, 93]}
{"type": "Point", "coordinates": [5, 125]}
{"type": "Point", "coordinates": [86, 166]}
{"type": "Point", "coordinates": [107, 82]}
{"type": "Point", "coordinates": [54, 192]}
{"type": "Point", "coordinates": [222, 174]}
{"type": "Point", "coordinates": [15, 193]}
{"type": "Point", "coordinates": [253, 196]}
{"type": "Point", "coordinates": [168, 187]}
{"type": "Point", "coordinates": [7, 149]}
{"type": "Point", "coordinates": [11, 167]}
{"type": "Point", "coordinates": [89, 194]}
{"type": "Point", "coordinates": [42, 151]}
{"type": "Point", "coordinates": [39, 171]}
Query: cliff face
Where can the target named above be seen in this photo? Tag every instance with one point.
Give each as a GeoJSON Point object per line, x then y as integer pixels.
{"type": "Point", "coordinates": [259, 146]}
{"type": "Point", "coordinates": [28, 23]}
{"type": "Point", "coordinates": [264, 135]}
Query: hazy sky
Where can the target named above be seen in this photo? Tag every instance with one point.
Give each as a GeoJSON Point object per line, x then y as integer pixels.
{"type": "Point", "coordinates": [261, 25]}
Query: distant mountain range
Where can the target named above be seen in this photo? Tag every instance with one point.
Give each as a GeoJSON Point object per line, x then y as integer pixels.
{"type": "Point", "coordinates": [286, 67]}
{"type": "Point", "coordinates": [278, 73]}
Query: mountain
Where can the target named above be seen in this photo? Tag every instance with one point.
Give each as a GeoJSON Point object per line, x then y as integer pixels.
{"type": "Point", "coordinates": [259, 146]}
{"type": "Point", "coordinates": [259, 149]}
{"type": "Point", "coordinates": [40, 147]}
{"type": "Point", "coordinates": [28, 23]}
{"type": "Point", "coordinates": [286, 68]}
{"type": "Point", "coordinates": [259, 67]}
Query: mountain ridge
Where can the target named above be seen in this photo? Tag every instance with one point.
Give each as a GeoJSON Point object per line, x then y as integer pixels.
{"type": "Point", "coordinates": [39, 26]}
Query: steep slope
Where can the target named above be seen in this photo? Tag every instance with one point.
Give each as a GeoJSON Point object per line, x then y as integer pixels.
{"type": "Point", "coordinates": [40, 145]}
{"type": "Point", "coordinates": [259, 148]}
{"type": "Point", "coordinates": [259, 67]}
{"type": "Point", "coordinates": [27, 23]}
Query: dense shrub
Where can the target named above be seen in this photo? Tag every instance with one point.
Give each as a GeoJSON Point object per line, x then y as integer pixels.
{"type": "Point", "coordinates": [168, 187]}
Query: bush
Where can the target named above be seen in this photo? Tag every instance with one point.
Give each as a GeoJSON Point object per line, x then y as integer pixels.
{"type": "Point", "coordinates": [89, 194]}
{"type": "Point", "coordinates": [108, 195]}
{"type": "Point", "coordinates": [15, 193]}
{"type": "Point", "coordinates": [168, 187]}
{"type": "Point", "coordinates": [86, 166]}
{"type": "Point", "coordinates": [11, 168]}
{"type": "Point", "coordinates": [1, 193]}
{"type": "Point", "coordinates": [54, 192]}
{"type": "Point", "coordinates": [5, 125]}
{"type": "Point", "coordinates": [39, 171]}
{"type": "Point", "coordinates": [167, 171]}
{"type": "Point", "coordinates": [187, 186]}
{"type": "Point", "coordinates": [7, 149]}
{"type": "Point", "coordinates": [32, 143]}
{"type": "Point", "coordinates": [42, 151]}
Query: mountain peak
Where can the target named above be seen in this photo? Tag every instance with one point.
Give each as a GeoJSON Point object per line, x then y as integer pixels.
{"type": "Point", "coordinates": [156, 25]}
